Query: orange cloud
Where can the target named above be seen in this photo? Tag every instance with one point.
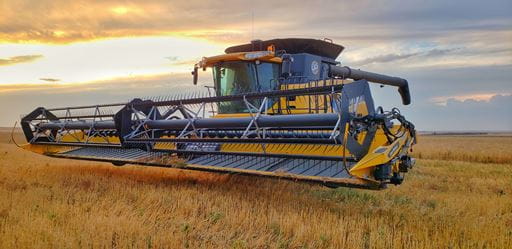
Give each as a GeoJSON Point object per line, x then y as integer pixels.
{"type": "Point", "coordinates": [19, 59]}
{"type": "Point", "coordinates": [61, 21]}
{"type": "Point", "coordinates": [442, 100]}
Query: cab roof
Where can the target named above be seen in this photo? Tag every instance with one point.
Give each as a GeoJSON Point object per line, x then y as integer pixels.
{"type": "Point", "coordinates": [292, 46]}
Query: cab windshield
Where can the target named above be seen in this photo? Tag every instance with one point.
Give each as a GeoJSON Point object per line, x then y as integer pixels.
{"type": "Point", "coordinates": [240, 77]}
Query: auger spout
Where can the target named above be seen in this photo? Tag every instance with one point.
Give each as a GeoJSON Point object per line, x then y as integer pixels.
{"type": "Point", "coordinates": [356, 74]}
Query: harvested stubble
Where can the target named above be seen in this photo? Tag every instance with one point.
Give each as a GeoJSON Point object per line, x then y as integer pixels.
{"type": "Point", "coordinates": [50, 203]}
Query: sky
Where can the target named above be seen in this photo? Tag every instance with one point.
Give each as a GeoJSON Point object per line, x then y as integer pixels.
{"type": "Point", "coordinates": [456, 55]}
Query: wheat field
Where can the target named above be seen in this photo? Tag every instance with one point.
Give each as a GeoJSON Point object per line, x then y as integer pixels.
{"type": "Point", "coordinates": [459, 195]}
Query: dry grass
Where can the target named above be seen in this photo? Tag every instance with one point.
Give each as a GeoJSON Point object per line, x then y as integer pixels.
{"type": "Point", "coordinates": [477, 148]}
{"type": "Point", "coordinates": [51, 203]}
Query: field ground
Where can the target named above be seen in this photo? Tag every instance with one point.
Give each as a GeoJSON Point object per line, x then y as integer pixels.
{"type": "Point", "coordinates": [459, 195]}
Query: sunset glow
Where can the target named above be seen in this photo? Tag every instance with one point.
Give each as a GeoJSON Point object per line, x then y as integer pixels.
{"type": "Point", "coordinates": [100, 60]}
{"type": "Point", "coordinates": [120, 10]}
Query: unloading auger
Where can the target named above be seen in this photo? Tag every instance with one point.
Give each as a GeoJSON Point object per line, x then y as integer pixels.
{"type": "Point", "coordinates": [280, 108]}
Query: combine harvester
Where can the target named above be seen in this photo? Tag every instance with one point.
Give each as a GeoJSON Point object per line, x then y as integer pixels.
{"type": "Point", "coordinates": [280, 108]}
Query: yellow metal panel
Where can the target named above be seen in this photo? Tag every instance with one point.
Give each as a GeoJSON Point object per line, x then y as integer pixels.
{"type": "Point", "coordinates": [305, 149]}
{"type": "Point", "coordinates": [307, 104]}
{"type": "Point", "coordinates": [211, 61]}
{"type": "Point", "coordinates": [81, 136]}
{"type": "Point", "coordinates": [379, 155]}
{"type": "Point", "coordinates": [232, 115]}
{"type": "Point", "coordinates": [46, 149]}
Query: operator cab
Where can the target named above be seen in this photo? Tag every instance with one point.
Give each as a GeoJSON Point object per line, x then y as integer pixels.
{"type": "Point", "coordinates": [238, 77]}
{"type": "Point", "coordinates": [263, 66]}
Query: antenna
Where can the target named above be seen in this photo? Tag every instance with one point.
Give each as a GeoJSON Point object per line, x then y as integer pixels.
{"type": "Point", "coordinates": [252, 24]}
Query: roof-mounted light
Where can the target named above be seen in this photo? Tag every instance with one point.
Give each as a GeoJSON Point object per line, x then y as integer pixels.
{"type": "Point", "coordinates": [258, 54]}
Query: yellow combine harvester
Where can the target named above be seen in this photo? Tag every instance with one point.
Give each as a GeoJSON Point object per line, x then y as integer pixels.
{"type": "Point", "coordinates": [280, 108]}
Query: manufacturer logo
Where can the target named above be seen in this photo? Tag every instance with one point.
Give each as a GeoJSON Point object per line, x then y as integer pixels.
{"type": "Point", "coordinates": [315, 67]}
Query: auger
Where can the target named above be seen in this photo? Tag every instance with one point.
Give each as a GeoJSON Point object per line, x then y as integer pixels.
{"type": "Point", "coordinates": [278, 108]}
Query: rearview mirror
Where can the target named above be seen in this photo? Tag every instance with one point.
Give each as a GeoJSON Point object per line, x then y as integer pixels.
{"type": "Point", "coordinates": [194, 74]}
{"type": "Point", "coordinates": [286, 66]}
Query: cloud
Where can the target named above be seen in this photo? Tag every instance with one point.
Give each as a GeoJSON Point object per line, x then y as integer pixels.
{"type": "Point", "coordinates": [383, 58]}
{"type": "Point", "coordinates": [393, 57]}
{"type": "Point", "coordinates": [173, 58]}
{"type": "Point", "coordinates": [488, 114]}
{"type": "Point", "coordinates": [485, 97]}
{"type": "Point", "coordinates": [130, 86]}
{"type": "Point", "coordinates": [19, 59]}
{"type": "Point", "coordinates": [409, 32]}
{"type": "Point", "coordinates": [62, 21]}
{"type": "Point", "coordinates": [448, 98]}
{"type": "Point", "coordinates": [49, 79]}
{"type": "Point", "coordinates": [496, 100]}
{"type": "Point", "coordinates": [105, 59]}
{"type": "Point", "coordinates": [420, 55]}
